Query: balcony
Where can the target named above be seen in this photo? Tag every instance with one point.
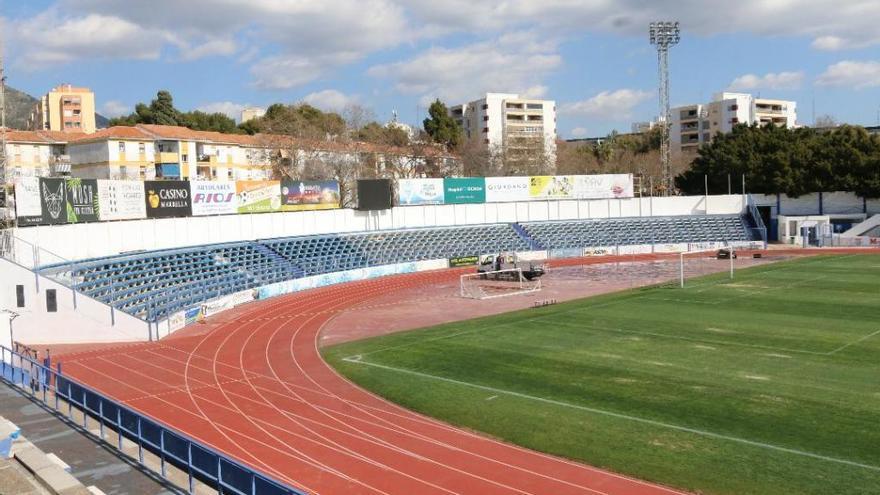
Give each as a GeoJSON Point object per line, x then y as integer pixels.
{"type": "Point", "coordinates": [167, 157]}
{"type": "Point", "coordinates": [207, 159]}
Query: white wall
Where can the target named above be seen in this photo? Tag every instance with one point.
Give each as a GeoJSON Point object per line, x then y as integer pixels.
{"type": "Point", "coordinates": [78, 319]}
{"type": "Point", "coordinates": [80, 241]}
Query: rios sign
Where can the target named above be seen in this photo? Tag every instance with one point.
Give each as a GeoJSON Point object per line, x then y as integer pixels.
{"type": "Point", "coordinates": [167, 199]}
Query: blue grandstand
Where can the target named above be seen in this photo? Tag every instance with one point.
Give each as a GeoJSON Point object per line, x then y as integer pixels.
{"type": "Point", "coordinates": [153, 285]}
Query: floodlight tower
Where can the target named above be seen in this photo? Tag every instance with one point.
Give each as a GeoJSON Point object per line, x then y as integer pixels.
{"type": "Point", "coordinates": [3, 164]}
{"type": "Point", "coordinates": [664, 34]}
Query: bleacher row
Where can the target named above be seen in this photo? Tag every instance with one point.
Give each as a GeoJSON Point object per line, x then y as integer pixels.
{"type": "Point", "coordinates": [155, 284]}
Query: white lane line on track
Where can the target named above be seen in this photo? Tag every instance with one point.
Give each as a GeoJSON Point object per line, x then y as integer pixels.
{"type": "Point", "coordinates": [855, 342]}
{"type": "Point", "coordinates": [621, 416]}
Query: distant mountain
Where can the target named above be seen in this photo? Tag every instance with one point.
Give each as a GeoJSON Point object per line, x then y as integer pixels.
{"type": "Point", "coordinates": [19, 105]}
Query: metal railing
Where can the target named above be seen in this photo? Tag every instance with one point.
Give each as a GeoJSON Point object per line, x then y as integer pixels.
{"type": "Point", "coordinates": [171, 449]}
{"type": "Point", "coordinates": [759, 221]}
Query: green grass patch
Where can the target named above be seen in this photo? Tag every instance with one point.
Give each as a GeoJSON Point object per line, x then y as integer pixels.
{"type": "Point", "coordinates": [765, 384]}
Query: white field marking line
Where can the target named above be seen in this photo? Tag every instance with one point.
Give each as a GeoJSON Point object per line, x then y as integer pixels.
{"type": "Point", "coordinates": [267, 469]}
{"type": "Point", "coordinates": [859, 341]}
{"type": "Point", "coordinates": [298, 419]}
{"type": "Point", "coordinates": [690, 339]}
{"type": "Point", "coordinates": [302, 325]}
{"type": "Point", "coordinates": [627, 417]}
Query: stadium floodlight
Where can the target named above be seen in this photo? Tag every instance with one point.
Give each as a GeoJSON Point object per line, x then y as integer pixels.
{"type": "Point", "coordinates": [663, 35]}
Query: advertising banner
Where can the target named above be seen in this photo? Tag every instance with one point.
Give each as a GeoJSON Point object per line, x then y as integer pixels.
{"type": "Point", "coordinates": [258, 196]}
{"type": "Point", "coordinates": [213, 198]}
{"type": "Point", "coordinates": [506, 189]}
{"type": "Point", "coordinates": [464, 190]}
{"type": "Point", "coordinates": [82, 200]}
{"type": "Point", "coordinates": [176, 321]}
{"type": "Point", "coordinates": [121, 200]}
{"type": "Point", "coordinates": [606, 186]}
{"type": "Point", "coordinates": [420, 192]}
{"type": "Point", "coordinates": [193, 315]}
{"type": "Point", "coordinates": [463, 261]}
{"type": "Point", "coordinates": [299, 195]}
{"type": "Point", "coordinates": [167, 198]}
{"type": "Point", "coordinates": [53, 201]}
{"type": "Point", "coordinates": [28, 209]}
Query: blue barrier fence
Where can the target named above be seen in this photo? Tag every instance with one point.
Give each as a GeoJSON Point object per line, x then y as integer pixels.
{"type": "Point", "coordinates": [199, 462]}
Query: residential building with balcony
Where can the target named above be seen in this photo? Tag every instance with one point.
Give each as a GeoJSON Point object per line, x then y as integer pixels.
{"type": "Point", "coordinates": [251, 113]}
{"type": "Point", "coordinates": [65, 108]}
{"type": "Point", "coordinates": [37, 154]}
{"type": "Point", "coordinates": [694, 125]}
{"type": "Point", "coordinates": [502, 122]}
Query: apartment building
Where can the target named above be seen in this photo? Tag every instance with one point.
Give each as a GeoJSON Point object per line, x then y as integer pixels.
{"type": "Point", "coordinates": [694, 125]}
{"type": "Point", "coordinates": [64, 109]}
{"type": "Point", "coordinates": [503, 122]}
{"type": "Point", "coordinates": [251, 113]}
{"type": "Point", "coordinates": [37, 154]}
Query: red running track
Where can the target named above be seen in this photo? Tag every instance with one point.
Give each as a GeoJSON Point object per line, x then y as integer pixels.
{"type": "Point", "coordinates": [257, 389]}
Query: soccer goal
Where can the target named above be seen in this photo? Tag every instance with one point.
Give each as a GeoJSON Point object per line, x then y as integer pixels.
{"type": "Point", "coordinates": [696, 264]}
{"type": "Point", "coordinates": [497, 283]}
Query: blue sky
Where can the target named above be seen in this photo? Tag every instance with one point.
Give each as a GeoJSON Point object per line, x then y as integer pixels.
{"type": "Point", "coordinates": [591, 56]}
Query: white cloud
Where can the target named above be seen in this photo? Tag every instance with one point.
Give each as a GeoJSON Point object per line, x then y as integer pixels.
{"type": "Point", "coordinates": [93, 36]}
{"type": "Point", "coordinates": [607, 105]}
{"type": "Point", "coordinates": [230, 109]}
{"type": "Point", "coordinates": [771, 80]}
{"type": "Point", "coordinates": [115, 108]}
{"type": "Point", "coordinates": [579, 132]}
{"type": "Point", "coordinates": [330, 99]}
{"type": "Point", "coordinates": [513, 63]}
{"type": "Point", "coordinates": [851, 74]}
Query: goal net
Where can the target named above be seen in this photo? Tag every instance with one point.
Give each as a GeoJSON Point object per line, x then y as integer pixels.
{"type": "Point", "coordinates": [696, 264]}
{"type": "Point", "coordinates": [497, 283]}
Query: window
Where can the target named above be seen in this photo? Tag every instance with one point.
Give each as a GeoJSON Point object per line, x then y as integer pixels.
{"type": "Point", "coordinates": [122, 146]}
{"type": "Point", "coordinates": [184, 158]}
{"type": "Point", "coordinates": [734, 120]}
{"type": "Point", "coordinates": [19, 296]}
{"type": "Point", "coordinates": [68, 113]}
{"type": "Point", "coordinates": [534, 106]}
{"type": "Point", "coordinates": [123, 171]}
{"type": "Point", "coordinates": [68, 124]}
{"type": "Point", "coordinates": [485, 106]}
{"type": "Point", "coordinates": [485, 130]}
{"type": "Point", "coordinates": [486, 140]}
{"type": "Point", "coordinates": [76, 124]}
{"type": "Point", "coordinates": [51, 301]}
{"type": "Point", "coordinates": [142, 148]}
{"type": "Point", "coordinates": [485, 118]}
{"type": "Point", "coordinates": [733, 108]}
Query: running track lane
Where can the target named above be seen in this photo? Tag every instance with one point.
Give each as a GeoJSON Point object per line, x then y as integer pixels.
{"type": "Point", "coordinates": [257, 389]}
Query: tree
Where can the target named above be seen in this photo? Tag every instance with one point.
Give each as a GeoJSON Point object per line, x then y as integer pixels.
{"type": "Point", "coordinates": [442, 128]}
{"type": "Point", "coordinates": [161, 111]}
{"type": "Point", "coordinates": [791, 161]}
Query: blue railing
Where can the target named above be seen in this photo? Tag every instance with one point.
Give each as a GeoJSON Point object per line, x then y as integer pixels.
{"type": "Point", "coordinates": [759, 221]}
{"type": "Point", "coordinates": [173, 448]}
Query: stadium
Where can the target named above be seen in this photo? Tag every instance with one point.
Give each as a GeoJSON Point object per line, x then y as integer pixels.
{"type": "Point", "coordinates": [505, 335]}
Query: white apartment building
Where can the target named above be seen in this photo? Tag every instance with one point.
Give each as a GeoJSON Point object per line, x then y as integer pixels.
{"type": "Point", "coordinates": [694, 125]}
{"type": "Point", "coordinates": [503, 121]}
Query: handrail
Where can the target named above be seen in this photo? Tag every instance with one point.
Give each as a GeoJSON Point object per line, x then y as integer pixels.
{"type": "Point", "coordinates": [184, 452]}
{"type": "Point", "coordinates": [759, 221]}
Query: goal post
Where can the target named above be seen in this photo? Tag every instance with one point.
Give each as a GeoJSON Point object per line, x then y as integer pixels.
{"type": "Point", "coordinates": [497, 283]}
{"type": "Point", "coordinates": [692, 264]}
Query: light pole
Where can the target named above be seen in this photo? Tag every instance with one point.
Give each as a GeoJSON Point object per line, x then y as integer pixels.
{"type": "Point", "coordinates": [664, 35]}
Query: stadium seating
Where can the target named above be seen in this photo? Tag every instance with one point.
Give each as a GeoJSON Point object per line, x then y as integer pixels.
{"type": "Point", "coordinates": [155, 284]}
{"type": "Point", "coordinates": [641, 230]}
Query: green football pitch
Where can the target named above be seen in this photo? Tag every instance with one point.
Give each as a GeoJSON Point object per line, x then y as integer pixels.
{"type": "Point", "coordinates": [765, 384]}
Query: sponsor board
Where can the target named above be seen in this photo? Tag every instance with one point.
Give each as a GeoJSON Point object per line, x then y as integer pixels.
{"type": "Point", "coordinates": [315, 281]}
{"type": "Point", "coordinates": [167, 198]}
{"type": "Point", "coordinates": [635, 249]}
{"type": "Point", "coordinates": [531, 255]}
{"type": "Point", "coordinates": [463, 261]}
{"type": "Point", "coordinates": [300, 195]}
{"type": "Point", "coordinates": [28, 208]}
{"type": "Point", "coordinates": [566, 253]}
{"type": "Point", "coordinates": [464, 190]}
{"type": "Point", "coordinates": [53, 201]}
{"type": "Point", "coordinates": [213, 198]}
{"type": "Point", "coordinates": [217, 305]}
{"type": "Point", "coordinates": [177, 321]}
{"type": "Point", "coordinates": [705, 246]}
{"type": "Point", "coordinates": [258, 196]}
{"type": "Point", "coordinates": [420, 192]}
{"type": "Point", "coordinates": [507, 189]}
{"type": "Point", "coordinates": [425, 265]}
{"type": "Point", "coordinates": [605, 186]}
{"type": "Point", "coordinates": [82, 200]}
{"type": "Point", "coordinates": [121, 200]}
{"type": "Point", "coordinates": [671, 248]}
{"type": "Point", "coordinates": [193, 315]}
{"type": "Point", "coordinates": [242, 297]}
{"type": "Point", "coordinates": [598, 251]}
